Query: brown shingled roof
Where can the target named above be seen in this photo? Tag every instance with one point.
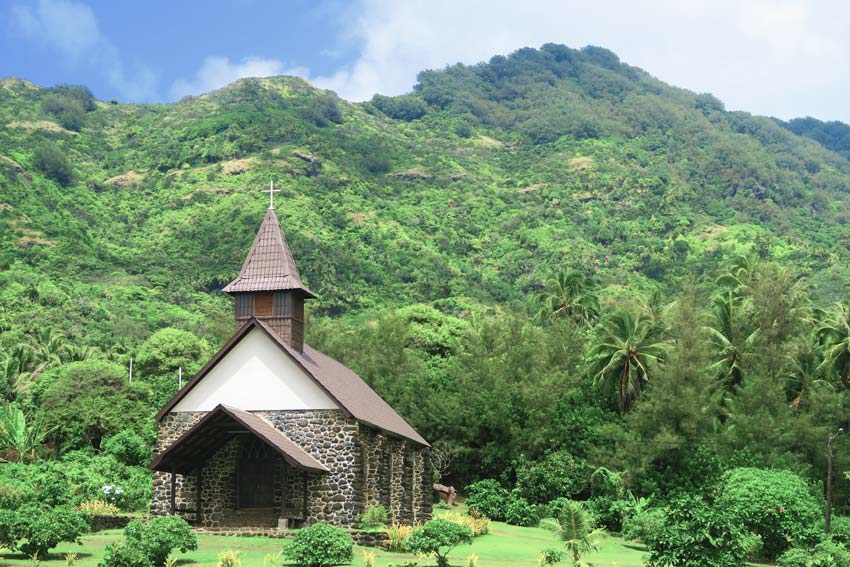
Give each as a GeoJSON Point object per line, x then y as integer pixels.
{"type": "Point", "coordinates": [351, 393]}
{"type": "Point", "coordinates": [269, 265]}
{"type": "Point", "coordinates": [216, 428]}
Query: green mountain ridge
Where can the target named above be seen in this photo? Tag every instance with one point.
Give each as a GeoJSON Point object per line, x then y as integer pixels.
{"type": "Point", "coordinates": [468, 191]}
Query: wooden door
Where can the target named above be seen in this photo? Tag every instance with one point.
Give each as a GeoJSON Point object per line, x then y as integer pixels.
{"type": "Point", "coordinates": [256, 475]}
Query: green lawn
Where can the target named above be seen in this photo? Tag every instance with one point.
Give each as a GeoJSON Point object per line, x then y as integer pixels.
{"type": "Point", "coordinates": [505, 546]}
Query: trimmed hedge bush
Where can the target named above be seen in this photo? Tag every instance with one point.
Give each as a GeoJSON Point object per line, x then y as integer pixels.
{"type": "Point", "coordinates": [489, 498]}
{"type": "Point", "coordinates": [35, 530]}
{"type": "Point", "coordinates": [150, 543]}
{"type": "Point", "coordinates": [320, 545]}
{"type": "Point", "coordinates": [774, 504]}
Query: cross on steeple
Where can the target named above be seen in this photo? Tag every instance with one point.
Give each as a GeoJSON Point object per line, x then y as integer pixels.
{"type": "Point", "coordinates": [271, 191]}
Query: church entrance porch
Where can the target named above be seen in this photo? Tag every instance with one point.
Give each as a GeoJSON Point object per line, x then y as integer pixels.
{"type": "Point", "coordinates": [233, 469]}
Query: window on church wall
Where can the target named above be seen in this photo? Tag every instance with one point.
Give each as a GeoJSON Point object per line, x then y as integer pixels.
{"type": "Point", "coordinates": [263, 305]}
{"type": "Point", "coordinates": [298, 311]}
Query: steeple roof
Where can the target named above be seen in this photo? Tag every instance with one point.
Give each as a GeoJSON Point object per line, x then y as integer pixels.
{"type": "Point", "coordinates": [269, 265]}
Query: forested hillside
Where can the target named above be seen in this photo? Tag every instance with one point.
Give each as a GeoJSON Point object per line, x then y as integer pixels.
{"type": "Point", "coordinates": [485, 250]}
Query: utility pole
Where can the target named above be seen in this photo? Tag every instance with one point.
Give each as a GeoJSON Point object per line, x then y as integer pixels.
{"type": "Point", "coordinates": [829, 439]}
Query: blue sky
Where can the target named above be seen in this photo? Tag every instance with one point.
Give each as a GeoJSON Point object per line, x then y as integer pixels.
{"type": "Point", "coordinates": [784, 58]}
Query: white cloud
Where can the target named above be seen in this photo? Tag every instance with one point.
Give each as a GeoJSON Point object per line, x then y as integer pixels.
{"type": "Point", "coordinates": [215, 72]}
{"type": "Point", "coordinates": [71, 28]}
{"type": "Point", "coordinates": [68, 26]}
{"type": "Point", "coordinates": [779, 57]}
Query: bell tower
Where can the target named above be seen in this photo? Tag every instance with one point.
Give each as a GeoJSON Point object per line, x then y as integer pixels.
{"type": "Point", "coordinates": [269, 287]}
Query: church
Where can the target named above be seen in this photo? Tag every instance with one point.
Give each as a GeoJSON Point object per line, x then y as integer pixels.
{"type": "Point", "coordinates": [272, 433]}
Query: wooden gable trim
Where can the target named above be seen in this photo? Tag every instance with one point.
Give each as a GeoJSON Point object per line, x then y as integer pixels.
{"type": "Point", "coordinates": [228, 346]}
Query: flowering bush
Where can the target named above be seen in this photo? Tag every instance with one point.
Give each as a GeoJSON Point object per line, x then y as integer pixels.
{"type": "Point", "coordinates": [113, 494]}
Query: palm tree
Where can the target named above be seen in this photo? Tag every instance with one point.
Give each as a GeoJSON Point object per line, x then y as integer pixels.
{"type": "Point", "coordinates": [574, 527]}
{"type": "Point", "coordinates": [18, 439]}
{"type": "Point", "coordinates": [834, 334]}
{"type": "Point", "coordinates": [625, 352]}
{"type": "Point", "coordinates": [741, 273]}
{"type": "Point", "coordinates": [76, 353]}
{"type": "Point", "coordinates": [731, 337]}
{"type": "Point", "coordinates": [570, 294]}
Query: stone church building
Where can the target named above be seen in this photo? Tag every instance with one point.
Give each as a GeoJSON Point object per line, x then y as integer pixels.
{"type": "Point", "coordinates": [273, 433]}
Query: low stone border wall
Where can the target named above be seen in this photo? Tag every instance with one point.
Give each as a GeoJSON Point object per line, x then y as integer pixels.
{"type": "Point", "coordinates": [100, 523]}
{"type": "Point", "coordinates": [368, 539]}
{"type": "Point", "coordinates": [361, 538]}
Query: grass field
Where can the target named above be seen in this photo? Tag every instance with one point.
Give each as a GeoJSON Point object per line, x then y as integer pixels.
{"type": "Point", "coordinates": [505, 546]}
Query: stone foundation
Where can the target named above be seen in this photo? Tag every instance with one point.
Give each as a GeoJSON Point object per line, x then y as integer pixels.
{"type": "Point", "coordinates": [366, 467]}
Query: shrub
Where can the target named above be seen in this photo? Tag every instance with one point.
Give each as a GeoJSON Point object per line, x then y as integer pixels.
{"type": "Point", "coordinates": [52, 162]}
{"type": "Point", "coordinates": [154, 541]}
{"type": "Point", "coordinates": [374, 517]}
{"type": "Point", "coordinates": [320, 545]}
{"type": "Point", "coordinates": [643, 525]}
{"type": "Point", "coordinates": [128, 448]}
{"type": "Point", "coordinates": [839, 530]}
{"type": "Point", "coordinates": [123, 556]}
{"type": "Point", "coordinates": [774, 504]}
{"type": "Point", "coordinates": [69, 111]}
{"type": "Point", "coordinates": [558, 475]}
{"type": "Point", "coordinates": [606, 503]}
{"type": "Point", "coordinates": [695, 534]}
{"type": "Point", "coordinates": [489, 498]}
{"type": "Point", "coordinates": [322, 110]}
{"type": "Point", "coordinates": [229, 558]}
{"type": "Point", "coordinates": [36, 530]}
{"type": "Point", "coordinates": [404, 107]}
{"type": "Point", "coordinates": [554, 508]}
{"type": "Point", "coordinates": [397, 535]}
{"type": "Point", "coordinates": [478, 524]}
{"type": "Point", "coordinates": [79, 93]}
{"type": "Point", "coordinates": [549, 557]}
{"type": "Point", "coordinates": [99, 508]}
{"type": "Point", "coordinates": [438, 537]}
{"type": "Point", "coordinates": [520, 513]}
{"type": "Point", "coordinates": [825, 554]}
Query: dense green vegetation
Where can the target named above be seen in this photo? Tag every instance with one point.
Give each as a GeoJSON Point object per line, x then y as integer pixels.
{"type": "Point", "coordinates": [575, 280]}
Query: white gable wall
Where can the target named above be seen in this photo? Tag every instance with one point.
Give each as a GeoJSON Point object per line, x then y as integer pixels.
{"type": "Point", "coordinates": [256, 375]}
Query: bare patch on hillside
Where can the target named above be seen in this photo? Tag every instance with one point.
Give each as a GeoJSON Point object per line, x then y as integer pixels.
{"type": "Point", "coordinates": [43, 125]}
{"type": "Point", "coordinates": [129, 179]}
{"type": "Point", "coordinates": [360, 218]}
{"type": "Point", "coordinates": [237, 166]}
{"type": "Point", "coordinates": [488, 142]}
{"type": "Point", "coordinates": [532, 188]}
{"type": "Point", "coordinates": [409, 175]}
{"type": "Point", "coordinates": [581, 163]}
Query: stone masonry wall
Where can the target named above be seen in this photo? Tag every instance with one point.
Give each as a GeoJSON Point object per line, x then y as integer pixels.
{"type": "Point", "coordinates": [367, 467]}
{"type": "Point", "coordinates": [330, 438]}
{"type": "Point", "coordinates": [169, 429]}
{"type": "Point", "coordinates": [397, 475]}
